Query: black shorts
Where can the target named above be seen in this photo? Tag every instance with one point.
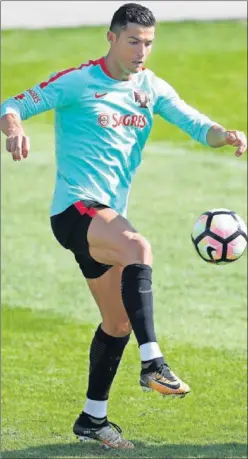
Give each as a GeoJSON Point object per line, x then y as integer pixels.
{"type": "Point", "coordinates": [70, 229]}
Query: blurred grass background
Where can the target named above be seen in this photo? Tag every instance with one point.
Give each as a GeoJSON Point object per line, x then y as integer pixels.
{"type": "Point", "coordinates": [204, 61]}
{"type": "Point", "coordinates": [200, 310]}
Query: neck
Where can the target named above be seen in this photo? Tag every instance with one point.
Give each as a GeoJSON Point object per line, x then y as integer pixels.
{"type": "Point", "coordinates": [115, 70]}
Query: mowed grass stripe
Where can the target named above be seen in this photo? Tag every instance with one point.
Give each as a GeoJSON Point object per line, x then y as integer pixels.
{"type": "Point", "coordinates": [44, 378]}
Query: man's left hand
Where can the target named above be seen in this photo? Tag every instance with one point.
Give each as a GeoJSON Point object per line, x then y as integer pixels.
{"type": "Point", "coordinates": [237, 139]}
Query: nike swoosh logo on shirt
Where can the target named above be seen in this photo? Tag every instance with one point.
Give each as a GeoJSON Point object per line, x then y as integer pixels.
{"type": "Point", "coordinates": [97, 96]}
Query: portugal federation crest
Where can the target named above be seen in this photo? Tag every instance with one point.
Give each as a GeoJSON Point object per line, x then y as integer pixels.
{"type": "Point", "coordinates": [142, 98]}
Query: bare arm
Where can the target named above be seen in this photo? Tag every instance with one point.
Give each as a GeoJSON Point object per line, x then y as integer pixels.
{"type": "Point", "coordinates": [217, 136]}
{"type": "Point", "coordinates": [17, 143]}
{"type": "Point", "coordinates": [10, 124]}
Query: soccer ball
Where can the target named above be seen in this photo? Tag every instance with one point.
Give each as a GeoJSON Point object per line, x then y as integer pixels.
{"type": "Point", "coordinates": [219, 236]}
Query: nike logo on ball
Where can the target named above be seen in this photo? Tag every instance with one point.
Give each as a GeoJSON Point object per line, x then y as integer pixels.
{"type": "Point", "coordinates": [97, 96]}
{"type": "Point", "coordinates": [210, 251]}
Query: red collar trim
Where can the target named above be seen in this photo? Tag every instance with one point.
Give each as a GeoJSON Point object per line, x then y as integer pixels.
{"type": "Point", "coordinates": [104, 68]}
{"type": "Point", "coordinates": [106, 71]}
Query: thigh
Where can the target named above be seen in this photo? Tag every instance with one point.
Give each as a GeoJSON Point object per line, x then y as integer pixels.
{"type": "Point", "coordinates": [106, 291]}
{"type": "Point", "coordinates": [99, 238]}
{"type": "Point", "coordinates": [70, 229]}
{"type": "Point", "coordinates": [110, 236]}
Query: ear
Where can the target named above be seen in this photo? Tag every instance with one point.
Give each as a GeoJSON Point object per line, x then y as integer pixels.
{"type": "Point", "coordinates": [111, 37]}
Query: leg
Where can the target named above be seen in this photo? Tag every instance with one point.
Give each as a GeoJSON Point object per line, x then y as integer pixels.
{"type": "Point", "coordinates": [106, 291]}
{"type": "Point", "coordinates": [70, 229]}
{"type": "Point", "coordinates": [99, 238]}
{"type": "Point", "coordinates": [102, 236]}
{"type": "Point", "coordinates": [106, 352]}
{"type": "Point", "coordinates": [112, 240]}
{"type": "Point", "coordinates": [110, 338]}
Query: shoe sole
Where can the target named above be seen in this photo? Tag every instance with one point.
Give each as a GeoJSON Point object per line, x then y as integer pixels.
{"type": "Point", "coordinates": [84, 439]}
{"type": "Point", "coordinates": [104, 445]}
{"type": "Point", "coordinates": [149, 389]}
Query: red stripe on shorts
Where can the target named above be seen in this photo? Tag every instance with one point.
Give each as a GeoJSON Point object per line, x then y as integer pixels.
{"type": "Point", "coordinates": [91, 212]}
{"type": "Point", "coordinates": [82, 209]}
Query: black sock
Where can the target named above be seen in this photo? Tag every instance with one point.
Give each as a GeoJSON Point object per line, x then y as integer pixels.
{"type": "Point", "coordinates": [86, 420]}
{"type": "Point", "coordinates": [105, 355]}
{"type": "Point", "coordinates": [152, 365]}
{"type": "Point", "coordinates": [138, 301]}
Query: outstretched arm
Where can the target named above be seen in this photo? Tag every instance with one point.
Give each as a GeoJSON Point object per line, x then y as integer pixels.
{"type": "Point", "coordinates": [175, 110]}
{"type": "Point", "coordinates": [61, 89]}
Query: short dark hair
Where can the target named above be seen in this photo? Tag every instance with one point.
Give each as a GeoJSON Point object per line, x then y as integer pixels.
{"type": "Point", "coordinates": [134, 13]}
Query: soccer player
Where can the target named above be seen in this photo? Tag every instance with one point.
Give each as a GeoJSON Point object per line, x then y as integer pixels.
{"type": "Point", "coordinates": [104, 111]}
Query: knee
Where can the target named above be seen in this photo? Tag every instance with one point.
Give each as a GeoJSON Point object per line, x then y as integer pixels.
{"type": "Point", "coordinates": [137, 249]}
{"type": "Point", "coordinates": [117, 329]}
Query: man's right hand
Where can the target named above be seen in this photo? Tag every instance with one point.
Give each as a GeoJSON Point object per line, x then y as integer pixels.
{"type": "Point", "coordinates": [18, 145]}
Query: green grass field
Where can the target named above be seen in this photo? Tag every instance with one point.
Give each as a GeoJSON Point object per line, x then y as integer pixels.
{"type": "Point", "coordinates": [48, 317]}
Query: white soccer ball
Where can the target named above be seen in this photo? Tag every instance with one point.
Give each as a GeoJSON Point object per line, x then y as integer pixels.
{"type": "Point", "coordinates": [219, 236]}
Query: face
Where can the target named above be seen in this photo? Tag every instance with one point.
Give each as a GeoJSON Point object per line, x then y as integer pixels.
{"type": "Point", "coordinates": [132, 46]}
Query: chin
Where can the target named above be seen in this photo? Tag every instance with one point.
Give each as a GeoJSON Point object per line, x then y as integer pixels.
{"type": "Point", "coordinates": [135, 69]}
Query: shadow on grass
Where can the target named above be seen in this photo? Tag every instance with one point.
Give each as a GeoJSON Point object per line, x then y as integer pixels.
{"type": "Point", "coordinates": [142, 450]}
